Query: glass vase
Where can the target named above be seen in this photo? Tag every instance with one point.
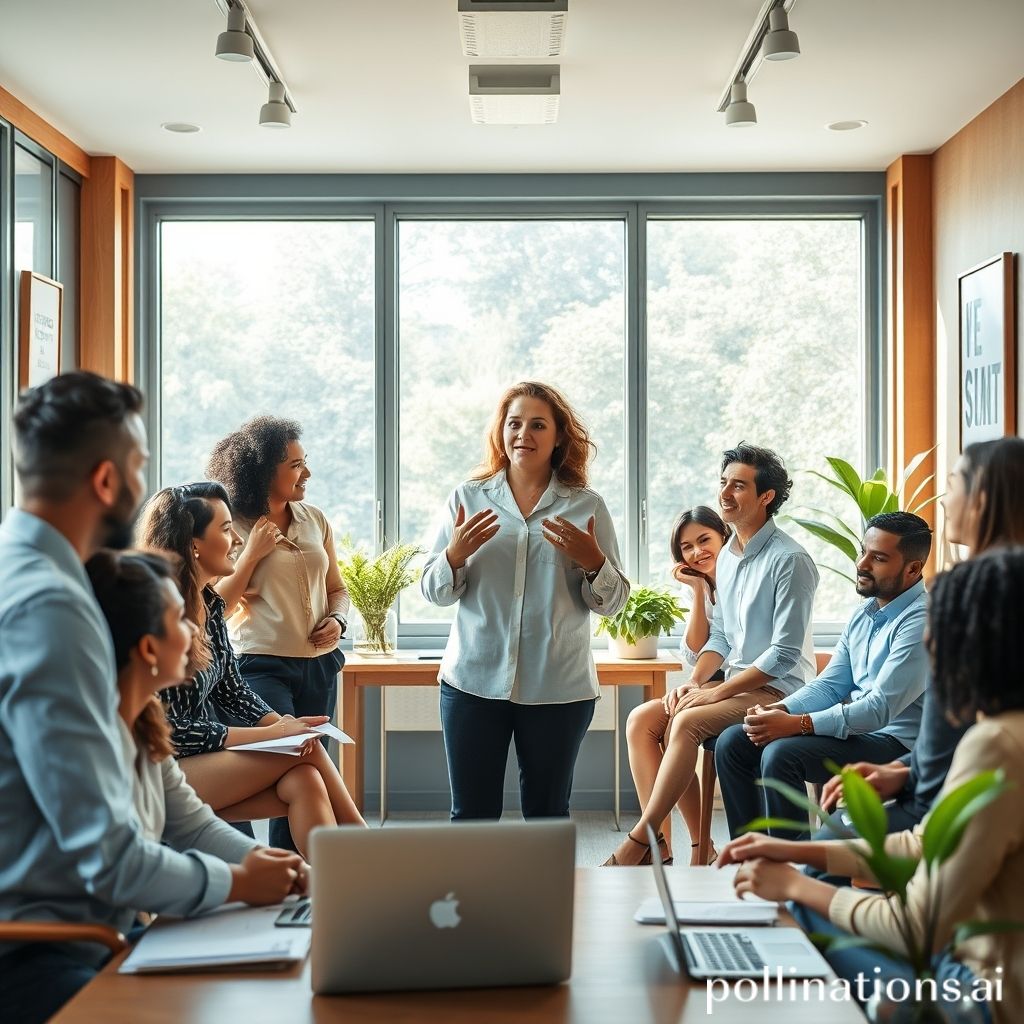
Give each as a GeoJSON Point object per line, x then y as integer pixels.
{"type": "Point", "coordinates": [375, 634]}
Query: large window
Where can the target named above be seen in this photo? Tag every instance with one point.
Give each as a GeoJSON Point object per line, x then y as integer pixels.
{"type": "Point", "coordinates": [754, 332]}
{"type": "Point", "coordinates": [272, 317]}
{"type": "Point", "coordinates": [482, 305]}
{"type": "Point", "coordinates": [389, 332]}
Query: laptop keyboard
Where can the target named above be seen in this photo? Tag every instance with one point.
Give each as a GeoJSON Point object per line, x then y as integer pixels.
{"type": "Point", "coordinates": [727, 951]}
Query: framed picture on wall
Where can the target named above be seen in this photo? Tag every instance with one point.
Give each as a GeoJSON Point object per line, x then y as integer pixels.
{"type": "Point", "coordinates": [987, 351]}
{"type": "Point", "coordinates": [40, 311]}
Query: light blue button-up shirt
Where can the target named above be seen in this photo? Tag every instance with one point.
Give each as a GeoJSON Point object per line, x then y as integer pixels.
{"type": "Point", "coordinates": [764, 608]}
{"type": "Point", "coordinates": [880, 666]}
{"type": "Point", "coordinates": [70, 847]}
{"type": "Point", "coordinates": [522, 628]}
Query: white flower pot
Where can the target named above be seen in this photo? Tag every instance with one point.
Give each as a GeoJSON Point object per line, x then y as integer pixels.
{"type": "Point", "coordinates": [645, 647]}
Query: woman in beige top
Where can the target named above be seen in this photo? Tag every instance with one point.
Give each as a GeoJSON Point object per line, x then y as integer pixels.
{"type": "Point", "coordinates": [286, 602]}
{"type": "Point", "coordinates": [973, 640]}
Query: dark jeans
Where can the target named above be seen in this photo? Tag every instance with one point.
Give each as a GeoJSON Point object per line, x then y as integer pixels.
{"type": "Point", "coordinates": [37, 979]}
{"type": "Point", "coordinates": [477, 733]}
{"type": "Point", "coordinates": [795, 760]}
{"type": "Point", "coordinates": [293, 686]}
{"type": "Point", "coordinates": [853, 962]}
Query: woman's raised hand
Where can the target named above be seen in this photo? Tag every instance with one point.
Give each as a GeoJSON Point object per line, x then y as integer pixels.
{"type": "Point", "coordinates": [262, 539]}
{"type": "Point", "coordinates": [693, 579]}
{"type": "Point", "coordinates": [469, 535]}
{"type": "Point", "coordinates": [579, 545]}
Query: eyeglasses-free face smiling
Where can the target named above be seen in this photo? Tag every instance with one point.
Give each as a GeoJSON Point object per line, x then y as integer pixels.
{"type": "Point", "coordinates": [529, 435]}
{"type": "Point", "coordinates": [737, 496]}
{"type": "Point", "coordinates": [699, 546]}
{"type": "Point", "coordinates": [218, 544]}
{"type": "Point", "coordinates": [289, 483]}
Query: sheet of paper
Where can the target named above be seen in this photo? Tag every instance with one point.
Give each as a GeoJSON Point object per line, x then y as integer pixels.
{"type": "Point", "coordinates": [232, 935]}
{"type": "Point", "coordinates": [730, 912]}
{"type": "Point", "coordinates": [293, 744]}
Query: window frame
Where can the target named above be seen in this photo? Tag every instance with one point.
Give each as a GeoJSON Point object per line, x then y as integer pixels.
{"type": "Point", "coordinates": [635, 199]}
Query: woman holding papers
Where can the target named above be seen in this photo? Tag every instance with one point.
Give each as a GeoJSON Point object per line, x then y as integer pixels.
{"type": "Point", "coordinates": [194, 522]}
{"type": "Point", "coordinates": [527, 551]}
{"type": "Point", "coordinates": [152, 636]}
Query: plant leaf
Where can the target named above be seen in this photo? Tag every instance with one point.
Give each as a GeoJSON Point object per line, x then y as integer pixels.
{"type": "Point", "coordinates": [838, 572]}
{"type": "Point", "coordinates": [924, 504]}
{"type": "Point", "coordinates": [830, 536]}
{"type": "Point", "coordinates": [865, 809]}
{"type": "Point", "coordinates": [872, 497]}
{"type": "Point", "coordinates": [794, 796]}
{"type": "Point", "coordinates": [838, 484]}
{"type": "Point", "coordinates": [764, 824]}
{"type": "Point", "coordinates": [831, 515]}
{"type": "Point", "coordinates": [912, 467]}
{"type": "Point", "coordinates": [920, 487]}
{"type": "Point", "coordinates": [849, 477]}
{"type": "Point", "coordinates": [945, 826]}
{"type": "Point", "coordinates": [892, 873]}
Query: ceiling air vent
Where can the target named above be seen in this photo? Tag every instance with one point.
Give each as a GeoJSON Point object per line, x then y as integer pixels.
{"type": "Point", "coordinates": [514, 93]}
{"type": "Point", "coordinates": [514, 28]}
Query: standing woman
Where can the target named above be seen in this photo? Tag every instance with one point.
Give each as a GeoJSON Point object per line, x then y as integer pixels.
{"type": "Point", "coordinates": [527, 551]}
{"type": "Point", "coordinates": [697, 537]}
{"type": "Point", "coordinates": [286, 602]}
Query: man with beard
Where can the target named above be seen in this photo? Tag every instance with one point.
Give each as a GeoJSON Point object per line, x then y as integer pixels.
{"type": "Point", "coordinates": [70, 850]}
{"type": "Point", "coordinates": [866, 704]}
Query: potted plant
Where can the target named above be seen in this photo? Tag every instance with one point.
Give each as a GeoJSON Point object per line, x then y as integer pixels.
{"type": "Point", "coordinates": [634, 632]}
{"type": "Point", "coordinates": [943, 829]}
{"type": "Point", "coordinates": [374, 585]}
{"type": "Point", "coordinates": [870, 497]}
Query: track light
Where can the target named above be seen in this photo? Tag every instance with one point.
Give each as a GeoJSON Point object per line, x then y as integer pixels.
{"type": "Point", "coordinates": [235, 44]}
{"type": "Point", "coordinates": [275, 113]}
{"type": "Point", "coordinates": [740, 113]}
{"type": "Point", "coordinates": [780, 43]}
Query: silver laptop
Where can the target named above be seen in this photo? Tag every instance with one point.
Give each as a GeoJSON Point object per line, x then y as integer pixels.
{"type": "Point", "coordinates": [734, 952]}
{"type": "Point", "coordinates": [442, 906]}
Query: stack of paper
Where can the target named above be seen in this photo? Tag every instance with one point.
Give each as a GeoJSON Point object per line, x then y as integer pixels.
{"type": "Point", "coordinates": [723, 912]}
{"type": "Point", "coordinates": [293, 744]}
{"type": "Point", "coordinates": [233, 936]}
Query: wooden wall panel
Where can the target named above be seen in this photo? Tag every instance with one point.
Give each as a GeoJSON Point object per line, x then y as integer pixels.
{"type": "Point", "coordinates": [108, 202]}
{"type": "Point", "coordinates": [44, 133]}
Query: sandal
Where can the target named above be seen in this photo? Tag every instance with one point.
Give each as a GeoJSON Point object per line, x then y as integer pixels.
{"type": "Point", "coordinates": [613, 862]}
{"type": "Point", "coordinates": [711, 859]}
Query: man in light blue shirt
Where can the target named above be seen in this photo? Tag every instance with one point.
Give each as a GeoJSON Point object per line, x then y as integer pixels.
{"type": "Point", "coordinates": [865, 705]}
{"type": "Point", "coordinates": [70, 846]}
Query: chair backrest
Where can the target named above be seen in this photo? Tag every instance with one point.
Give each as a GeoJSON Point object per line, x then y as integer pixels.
{"type": "Point", "coordinates": [821, 660]}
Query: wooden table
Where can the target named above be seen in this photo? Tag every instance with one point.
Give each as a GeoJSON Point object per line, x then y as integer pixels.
{"type": "Point", "coordinates": [620, 974]}
{"type": "Point", "coordinates": [408, 669]}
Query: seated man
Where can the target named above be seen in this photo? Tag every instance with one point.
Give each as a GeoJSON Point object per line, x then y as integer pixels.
{"type": "Point", "coordinates": [866, 704]}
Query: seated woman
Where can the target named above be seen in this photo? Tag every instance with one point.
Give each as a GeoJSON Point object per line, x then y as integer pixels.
{"type": "Point", "coordinates": [662, 765]}
{"type": "Point", "coordinates": [194, 522]}
{"type": "Point", "coordinates": [152, 638]}
{"type": "Point", "coordinates": [973, 639]}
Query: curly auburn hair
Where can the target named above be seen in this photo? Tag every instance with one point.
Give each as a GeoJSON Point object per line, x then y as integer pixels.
{"type": "Point", "coordinates": [571, 457]}
{"type": "Point", "coordinates": [169, 522]}
{"type": "Point", "coordinates": [973, 634]}
{"type": "Point", "coordinates": [129, 590]}
{"type": "Point", "coordinates": [246, 460]}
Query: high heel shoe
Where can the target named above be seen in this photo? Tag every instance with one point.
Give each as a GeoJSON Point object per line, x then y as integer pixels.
{"type": "Point", "coordinates": [613, 862]}
{"type": "Point", "coordinates": [711, 859]}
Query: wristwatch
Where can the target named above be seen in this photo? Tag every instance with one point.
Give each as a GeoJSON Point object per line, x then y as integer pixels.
{"type": "Point", "coordinates": [341, 620]}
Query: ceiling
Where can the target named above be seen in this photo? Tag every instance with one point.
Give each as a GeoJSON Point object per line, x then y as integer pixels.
{"type": "Point", "coordinates": [381, 85]}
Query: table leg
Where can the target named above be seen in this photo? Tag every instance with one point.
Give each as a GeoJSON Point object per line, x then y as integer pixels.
{"type": "Point", "coordinates": [616, 757]}
{"type": "Point", "coordinates": [352, 723]}
{"type": "Point", "coordinates": [383, 757]}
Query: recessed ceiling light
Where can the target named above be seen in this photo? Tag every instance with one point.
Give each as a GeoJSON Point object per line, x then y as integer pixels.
{"type": "Point", "coordinates": [180, 127]}
{"type": "Point", "coordinates": [845, 126]}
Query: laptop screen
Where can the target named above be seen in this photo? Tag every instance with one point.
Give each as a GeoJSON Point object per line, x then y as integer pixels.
{"type": "Point", "coordinates": [661, 882]}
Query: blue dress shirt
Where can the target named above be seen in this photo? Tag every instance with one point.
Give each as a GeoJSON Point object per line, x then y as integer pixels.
{"type": "Point", "coordinates": [880, 666]}
{"type": "Point", "coordinates": [522, 629]}
{"type": "Point", "coordinates": [764, 608]}
{"type": "Point", "coordinates": [70, 846]}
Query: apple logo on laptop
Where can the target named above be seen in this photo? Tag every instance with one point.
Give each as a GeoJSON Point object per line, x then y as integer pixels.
{"type": "Point", "coordinates": [445, 913]}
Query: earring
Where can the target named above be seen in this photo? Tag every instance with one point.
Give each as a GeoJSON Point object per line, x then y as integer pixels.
{"type": "Point", "coordinates": [154, 671]}
{"type": "Point", "coordinates": [195, 552]}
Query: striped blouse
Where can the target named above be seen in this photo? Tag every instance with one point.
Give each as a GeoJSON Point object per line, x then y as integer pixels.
{"type": "Point", "coordinates": [219, 687]}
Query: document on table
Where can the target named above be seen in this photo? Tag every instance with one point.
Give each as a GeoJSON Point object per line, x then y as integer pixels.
{"type": "Point", "coordinates": [293, 744]}
{"type": "Point", "coordinates": [725, 912]}
{"type": "Point", "coordinates": [232, 936]}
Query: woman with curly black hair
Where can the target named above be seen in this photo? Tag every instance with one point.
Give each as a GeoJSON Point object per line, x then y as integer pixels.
{"type": "Point", "coordinates": [286, 601]}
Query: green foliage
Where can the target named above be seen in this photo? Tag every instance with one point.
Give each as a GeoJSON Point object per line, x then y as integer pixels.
{"type": "Point", "coordinates": [648, 612]}
{"type": "Point", "coordinates": [375, 583]}
{"type": "Point", "coordinates": [944, 828]}
{"type": "Point", "coordinates": [871, 497]}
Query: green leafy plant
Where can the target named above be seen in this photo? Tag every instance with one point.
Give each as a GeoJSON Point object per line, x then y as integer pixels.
{"type": "Point", "coordinates": [648, 612]}
{"type": "Point", "coordinates": [374, 585]}
{"type": "Point", "coordinates": [943, 829]}
{"type": "Point", "coordinates": [870, 497]}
